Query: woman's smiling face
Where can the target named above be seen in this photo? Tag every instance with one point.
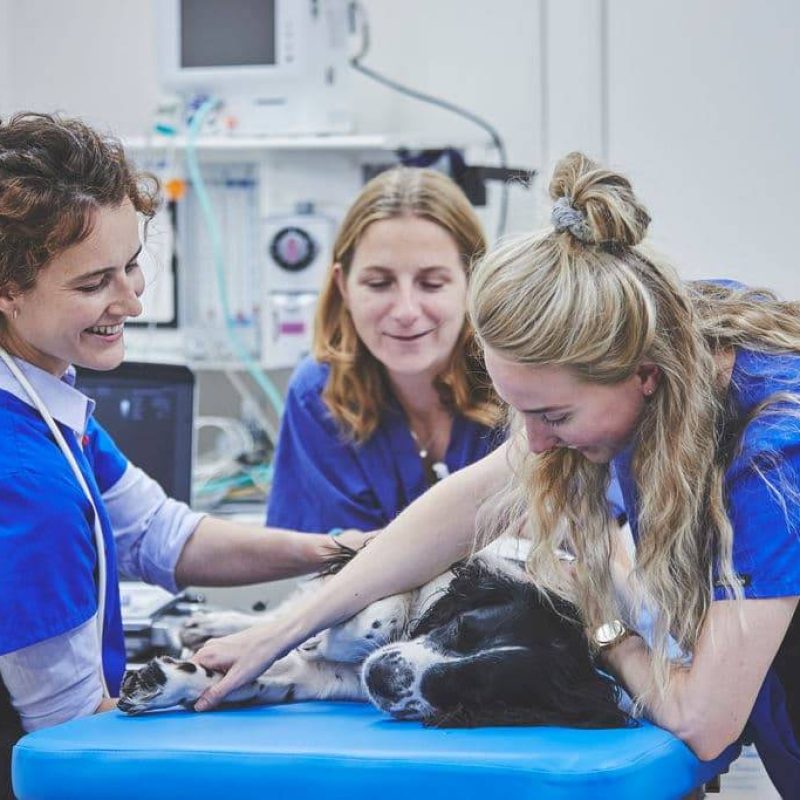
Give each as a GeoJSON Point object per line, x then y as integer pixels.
{"type": "Point", "coordinates": [406, 294]}
{"type": "Point", "coordinates": [76, 310]}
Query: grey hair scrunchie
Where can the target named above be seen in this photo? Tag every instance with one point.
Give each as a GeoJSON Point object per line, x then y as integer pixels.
{"type": "Point", "coordinates": [565, 217]}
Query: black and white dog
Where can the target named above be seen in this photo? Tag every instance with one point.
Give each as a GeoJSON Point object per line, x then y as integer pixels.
{"type": "Point", "coordinates": [479, 645]}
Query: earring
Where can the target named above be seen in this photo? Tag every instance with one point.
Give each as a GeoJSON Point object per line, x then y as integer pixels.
{"type": "Point", "coordinates": [15, 313]}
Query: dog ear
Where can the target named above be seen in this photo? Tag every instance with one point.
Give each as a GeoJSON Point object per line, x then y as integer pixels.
{"type": "Point", "coordinates": [516, 687]}
{"type": "Point", "coordinates": [474, 586]}
{"type": "Point", "coordinates": [443, 610]}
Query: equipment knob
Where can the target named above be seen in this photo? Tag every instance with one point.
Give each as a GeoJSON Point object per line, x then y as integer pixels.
{"type": "Point", "coordinates": [292, 249]}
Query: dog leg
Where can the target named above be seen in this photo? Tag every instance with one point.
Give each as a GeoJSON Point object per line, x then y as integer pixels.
{"type": "Point", "coordinates": [205, 625]}
{"type": "Point", "coordinates": [165, 682]}
{"type": "Point", "coordinates": [294, 679]}
{"type": "Point", "coordinates": [352, 641]}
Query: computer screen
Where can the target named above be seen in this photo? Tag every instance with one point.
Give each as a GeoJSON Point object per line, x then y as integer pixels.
{"type": "Point", "coordinates": [227, 33]}
{"type": "Point", "coordinates": [149, 411]}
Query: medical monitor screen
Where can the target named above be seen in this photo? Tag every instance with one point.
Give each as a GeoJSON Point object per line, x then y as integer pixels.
{"type": "Point", "coordinates": [149, 411]}
{"type": "Point", "coordinates": [227, 33]}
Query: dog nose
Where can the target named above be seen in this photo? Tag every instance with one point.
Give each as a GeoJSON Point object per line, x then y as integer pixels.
{"type": "Point", "coordinates": [389, 677]}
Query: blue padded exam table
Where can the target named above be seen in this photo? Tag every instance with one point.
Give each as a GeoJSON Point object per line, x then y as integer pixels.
{"type": "Point", "coordinates": [344, 750]}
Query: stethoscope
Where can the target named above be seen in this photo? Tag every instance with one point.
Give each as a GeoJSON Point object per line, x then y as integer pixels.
{"type": "Point", "coordinates": [98, 530]}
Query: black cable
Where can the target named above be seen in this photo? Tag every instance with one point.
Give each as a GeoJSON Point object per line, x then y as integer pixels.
{"type": "Point", "coordinates": [497, 140]}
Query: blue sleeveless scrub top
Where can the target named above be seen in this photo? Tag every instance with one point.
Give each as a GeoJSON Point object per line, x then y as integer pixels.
{"type": "Point", "coordinates": [47, 549]}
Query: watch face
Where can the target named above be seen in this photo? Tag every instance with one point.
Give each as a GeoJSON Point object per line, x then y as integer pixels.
{"type": "Point", "coordinates": [609, 633]}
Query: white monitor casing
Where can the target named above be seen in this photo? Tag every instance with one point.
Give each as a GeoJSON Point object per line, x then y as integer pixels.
{"type": "Point", "coordinates": [305, 90]}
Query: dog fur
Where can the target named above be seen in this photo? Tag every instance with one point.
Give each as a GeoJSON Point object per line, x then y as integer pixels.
{"type": "Point", "coordinates": [479, 645]}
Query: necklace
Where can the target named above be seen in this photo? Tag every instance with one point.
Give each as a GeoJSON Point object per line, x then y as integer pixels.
{"type": "Point", "coordinates": [422, 448]}
{"type": "Point", "coordinates": [434, 470]}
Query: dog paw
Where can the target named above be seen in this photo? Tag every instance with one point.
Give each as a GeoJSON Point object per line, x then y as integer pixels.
{"type": "Point", "coordinates": [163, 682]}
{"type": "Point", "coordinates": [205, 625]}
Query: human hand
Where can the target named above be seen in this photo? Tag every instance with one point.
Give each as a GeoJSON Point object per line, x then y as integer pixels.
{"type": "Point", "coordinates": [242, 657]}
{"type": "Point", "coordinates": [106, 704]}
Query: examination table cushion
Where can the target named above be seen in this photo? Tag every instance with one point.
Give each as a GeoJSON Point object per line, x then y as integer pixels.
{"type": "Point", "coordinates": [343, 750]}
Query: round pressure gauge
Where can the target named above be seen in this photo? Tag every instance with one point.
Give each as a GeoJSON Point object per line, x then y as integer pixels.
{"type": "Point", "coordinates": [292, 249]}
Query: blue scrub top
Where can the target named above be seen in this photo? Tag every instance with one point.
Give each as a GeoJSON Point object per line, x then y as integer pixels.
{"type": "Point", "coordinates": [47, 548]}
{"type": "Point", "coordinates": [322, 481]}
{"type": "Point", "coordinates": [763, 495]}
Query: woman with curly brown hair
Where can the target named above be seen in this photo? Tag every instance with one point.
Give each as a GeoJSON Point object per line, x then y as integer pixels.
{"type": "Point", "coordinates": [70, 206]}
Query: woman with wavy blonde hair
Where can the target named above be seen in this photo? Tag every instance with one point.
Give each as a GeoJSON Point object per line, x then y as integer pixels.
{"type": "Point", "coordinates": [688, 395]}
{"type": "Point", "coordinates": [396, 395]}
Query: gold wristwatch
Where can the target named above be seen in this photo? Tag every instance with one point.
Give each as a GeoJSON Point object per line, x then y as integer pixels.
{"type": "Point", "coordinates": [610, 634]}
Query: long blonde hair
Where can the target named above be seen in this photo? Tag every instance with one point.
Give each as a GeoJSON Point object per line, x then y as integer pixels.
{"type": "Point", "coordinates": [588, 296]}
{"type": "Point", "coordinates": [356, 392]}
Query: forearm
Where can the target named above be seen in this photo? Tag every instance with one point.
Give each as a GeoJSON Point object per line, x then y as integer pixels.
{"type": "Point", "coordinates": [224, 553]}
{"type": "Point", "coordinates": [421, 543]}
{"type": "Point", "coordinates": [425, 540]}
{"type": "Point", "coordinates": [630, 663]}
{"type": "Point", "coordinates": [106, 704]}
{"type": "Point", "coordinates": [708, 703]}
{"type": "Point", "coordinates": [707, 726]}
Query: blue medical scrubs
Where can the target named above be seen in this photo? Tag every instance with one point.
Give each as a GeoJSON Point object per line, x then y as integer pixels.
{"type": "Point", "coordinates": [47, 547]}
{"type": "Point", "coordinates": [322, 481]}
{"type": "Point", "coordinates": [763, 496]}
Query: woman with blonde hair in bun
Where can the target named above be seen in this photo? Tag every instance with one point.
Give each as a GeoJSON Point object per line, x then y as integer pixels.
{"type": "Point", "coordinates": [688, 394]}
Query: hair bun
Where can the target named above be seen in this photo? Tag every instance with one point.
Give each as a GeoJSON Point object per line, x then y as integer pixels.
{"type": "Point", "coordinates": [596, 205]}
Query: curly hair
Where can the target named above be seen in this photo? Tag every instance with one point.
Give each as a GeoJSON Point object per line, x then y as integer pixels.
{"type": "Point", "coordinates": [55, 173]}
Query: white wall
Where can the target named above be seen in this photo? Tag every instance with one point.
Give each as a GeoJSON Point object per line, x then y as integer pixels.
{"type": "Point", "coordinates": [704, 115]}
{"type": "Point", "coordinates": [480, 55]}
{"type": "Point", "coordinates": [696, 102]}
{"type": "Point", "coordinates": [5, 59]}
{"type": "Point", "coordinates": [88, 58]}
{"type": "Point", "coordinates": [571, 92]}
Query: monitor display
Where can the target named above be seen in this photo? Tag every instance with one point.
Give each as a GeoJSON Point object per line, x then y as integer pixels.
{"type": "Point", "coordinates": [227, 33]}
{"type": "Point", "coordinates": [149, 411]}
